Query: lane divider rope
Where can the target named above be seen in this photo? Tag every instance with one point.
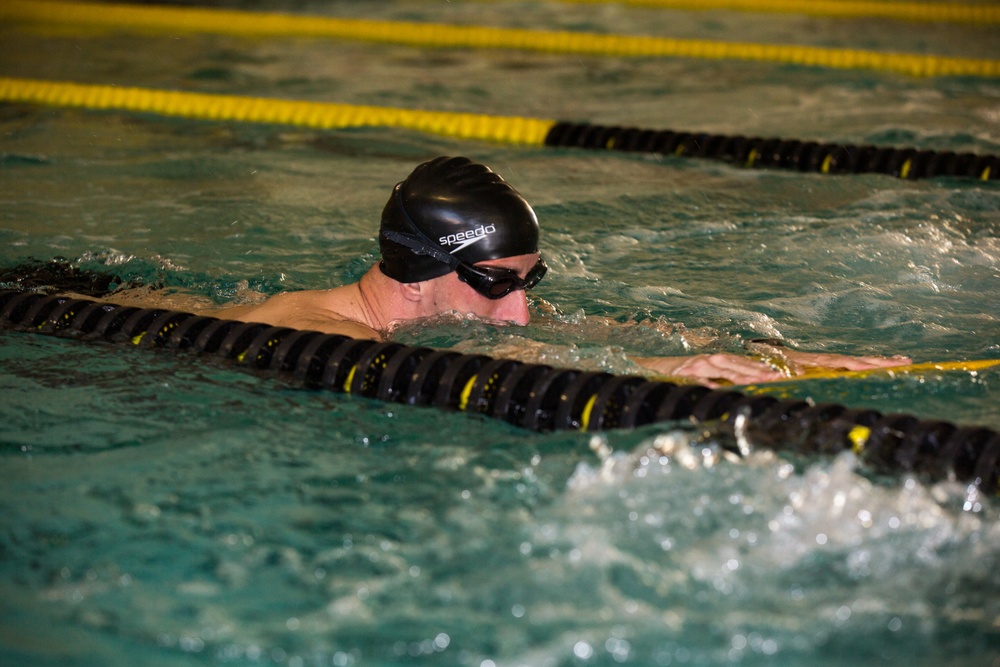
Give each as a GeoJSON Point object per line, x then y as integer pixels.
{"type": "Point", "coordinates": [536, 397]}
{"type": "Point", "coordinates": [929, 12]}
{"type": "Point", "coordinates": [806, 156]}
{"type": "Point", "coordinates": [971, 366]}
{"type": "Point", "coordinates": [230, 22]}
{"type": "Point", "coordinates": [738, 150]}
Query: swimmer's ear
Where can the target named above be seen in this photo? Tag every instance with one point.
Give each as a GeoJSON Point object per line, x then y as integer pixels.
{"type": "Point", "coordinates": [412, 291]}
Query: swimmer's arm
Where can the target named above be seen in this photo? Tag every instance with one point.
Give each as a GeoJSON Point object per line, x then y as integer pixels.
{"type": "Point", "coordinates": [713, 370]}
{"type": "Point", "coordinates": [798, 361]}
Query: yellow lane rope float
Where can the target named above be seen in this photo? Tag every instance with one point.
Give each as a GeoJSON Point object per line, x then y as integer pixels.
{"type": "Point", "coordinates": [196, 20]}
{"type": "Point", "coordinates": [972, 367]}
{"type": "Point", "coordinates": [910, 369]}
{"type": "Point", "coordinates": [930, 12]}
{"type": "Point", "coordinates": [323, 115]}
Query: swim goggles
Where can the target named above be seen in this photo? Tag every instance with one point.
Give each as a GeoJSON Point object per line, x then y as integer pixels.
{"type": "Point", "coordinates": [494, 282]}
{"type": "Point", "coordinates": [490, 281]}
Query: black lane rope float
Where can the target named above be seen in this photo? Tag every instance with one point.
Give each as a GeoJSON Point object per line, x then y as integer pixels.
{"type": "Point", "coordinates": [812, 156]}
{"type": "Point", "coordinates": [531, 396]}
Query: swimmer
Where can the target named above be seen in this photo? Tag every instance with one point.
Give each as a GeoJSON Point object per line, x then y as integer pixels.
{"type": "Point", "coordinates": [456, 238]}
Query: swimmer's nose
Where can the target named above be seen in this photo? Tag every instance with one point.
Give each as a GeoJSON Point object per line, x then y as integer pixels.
{"type": "Point", "coordinates": [514, 308]}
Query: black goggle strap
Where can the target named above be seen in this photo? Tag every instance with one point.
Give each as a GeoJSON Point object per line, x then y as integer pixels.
{"type": "Point", "coordinates": [422, 247]}
{"type": "Point", "coordinates": [418, 241]}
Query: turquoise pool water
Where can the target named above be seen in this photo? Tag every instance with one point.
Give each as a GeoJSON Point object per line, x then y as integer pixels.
{"type": "Point", "coordinates": [162, 509]}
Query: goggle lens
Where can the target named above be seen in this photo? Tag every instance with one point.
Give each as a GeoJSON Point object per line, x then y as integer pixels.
{"type": "Point", "coordinates": [496, 283]}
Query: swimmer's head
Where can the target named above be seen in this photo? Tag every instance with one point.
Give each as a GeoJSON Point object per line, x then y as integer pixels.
{"type": "Point", "coordinates": [452, 209]}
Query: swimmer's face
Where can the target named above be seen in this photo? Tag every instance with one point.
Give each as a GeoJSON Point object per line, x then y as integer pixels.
{"type": "Point", "coordinates": [450, 294]}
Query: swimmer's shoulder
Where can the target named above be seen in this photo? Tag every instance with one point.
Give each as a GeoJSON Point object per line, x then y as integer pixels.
{"type": "Point", "coordinates": [327, 311]}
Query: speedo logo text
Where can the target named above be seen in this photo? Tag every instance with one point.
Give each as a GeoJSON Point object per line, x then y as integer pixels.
{"type": "Point", "coordinates": [465, 239]}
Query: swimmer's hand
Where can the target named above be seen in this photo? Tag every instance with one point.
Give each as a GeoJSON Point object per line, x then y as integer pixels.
{"type": "Point", "coordinates": [713, 370]}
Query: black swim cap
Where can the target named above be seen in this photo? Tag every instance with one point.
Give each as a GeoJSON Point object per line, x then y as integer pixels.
{"type": "Point", "coordinates": [452, 208]}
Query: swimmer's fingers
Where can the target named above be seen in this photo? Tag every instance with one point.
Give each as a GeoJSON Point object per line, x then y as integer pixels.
{"type": "Point", "coordinates": [800, 359]}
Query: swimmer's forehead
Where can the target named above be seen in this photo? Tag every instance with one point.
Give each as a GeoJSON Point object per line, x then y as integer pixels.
{"type": "Point", "coordinates": [520, 263]}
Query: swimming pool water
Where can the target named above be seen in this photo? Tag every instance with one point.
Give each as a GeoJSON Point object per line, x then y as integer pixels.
{"type": "Point", "coordinates": [163, 509]}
